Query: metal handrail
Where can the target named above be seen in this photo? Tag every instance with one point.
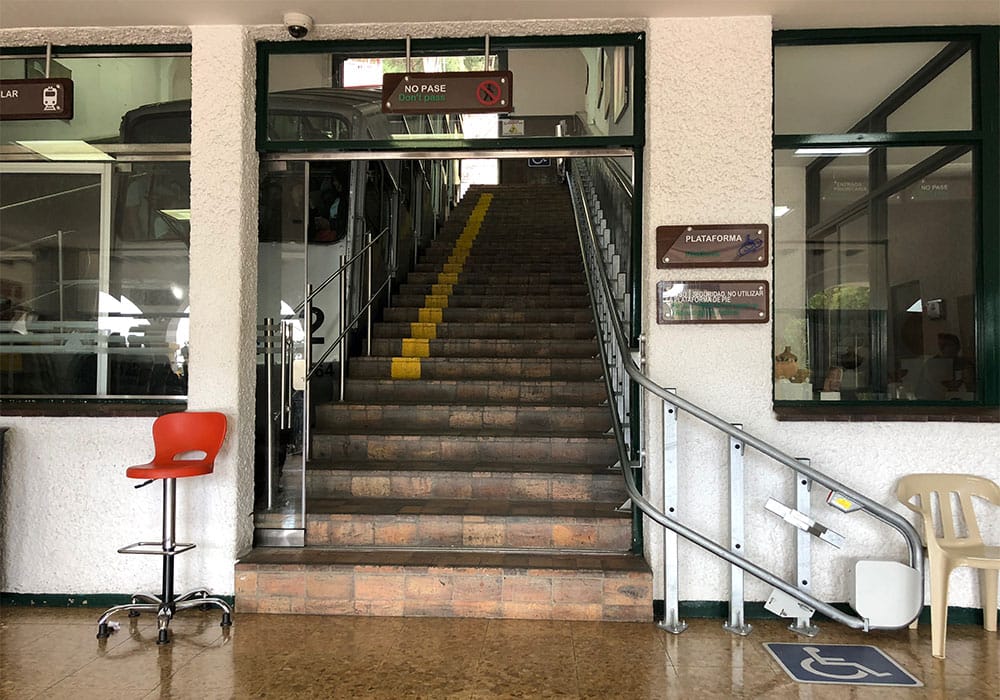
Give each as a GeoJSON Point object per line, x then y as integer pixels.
{"type": "Point", "coordinates": [876, 510]}
{"type": "Point", "coordinates": [348, 327]}
{"type": "Point", "coordinates": [340, 270]}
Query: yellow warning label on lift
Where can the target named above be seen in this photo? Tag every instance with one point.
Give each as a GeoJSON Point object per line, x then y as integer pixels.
{"type": "Point", "coordinates": [406, 368]}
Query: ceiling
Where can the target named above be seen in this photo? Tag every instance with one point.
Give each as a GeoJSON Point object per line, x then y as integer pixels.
{"type": "Point", "coordinates": [786, 13]}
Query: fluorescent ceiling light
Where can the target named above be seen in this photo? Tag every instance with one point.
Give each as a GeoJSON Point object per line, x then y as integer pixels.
{"type": "Point", "coordinates": [65, 150]}
{"type": "Point", "coordinates": [177, 214]}
{"type": "Point", "coordinates": [781, 210]}
{"type": "Point", "coordinates": [834, 151]}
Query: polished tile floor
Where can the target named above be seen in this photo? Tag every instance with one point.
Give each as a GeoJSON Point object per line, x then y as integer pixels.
{"type": "Point", "coordinates": [53, 653]}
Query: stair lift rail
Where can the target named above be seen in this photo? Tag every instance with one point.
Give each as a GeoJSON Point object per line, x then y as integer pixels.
{"type": "Point", "coordinates": [619, 360]}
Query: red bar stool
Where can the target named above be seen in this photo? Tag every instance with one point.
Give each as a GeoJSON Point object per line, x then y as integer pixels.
{"type": "Point", "coordinates": [175, 437]}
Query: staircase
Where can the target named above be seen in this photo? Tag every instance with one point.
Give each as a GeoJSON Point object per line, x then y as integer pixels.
{"type": "Point", "coordinates": [467, 472]}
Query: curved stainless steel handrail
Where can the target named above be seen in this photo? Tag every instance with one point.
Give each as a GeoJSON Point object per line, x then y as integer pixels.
{"type": "Point", "coordinates": [873, 508]}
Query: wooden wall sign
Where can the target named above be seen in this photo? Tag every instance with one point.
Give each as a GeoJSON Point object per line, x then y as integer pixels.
{"type": "Point", "coordinates": [716, 245]}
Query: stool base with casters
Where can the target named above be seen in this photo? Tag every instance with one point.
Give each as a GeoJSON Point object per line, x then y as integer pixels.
{"type": "Point", "coordinates": [175, 434]}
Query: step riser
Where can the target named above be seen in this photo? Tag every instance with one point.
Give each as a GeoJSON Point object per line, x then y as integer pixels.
{"type": "Point", "coordinates": [517, 486]}
{"type": "Point", "coordinates": [473, 368]}
{"type": "Point", "coordinates": [465, 449]}
{"type": "Point", "coordinates": [438, 591]}
{"type": "Point", "coordinates": [593, 534]}
{"type": "Point", "coordinates": [472, 332]}
{"type": "Point", "coordinates": [532, 419]}
{"type": "Point", "coordinates": [450, 315]}
{"type": "Point", "coordinates": [543, 267]}
{"type": "Point", "coordinates": [513, 278]}
{"type": "Point", "coordinates": [499, 348]}
{"type": "Point", "coordinates": [469, 392]}
{"type": "Point", "coordinates": [568, 291]}
{"type": "Point", "coordinates": [469, 301]}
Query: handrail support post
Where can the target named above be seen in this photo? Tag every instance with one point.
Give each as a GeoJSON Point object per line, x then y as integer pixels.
{"type": "Point", "coordinates": [737, 621]}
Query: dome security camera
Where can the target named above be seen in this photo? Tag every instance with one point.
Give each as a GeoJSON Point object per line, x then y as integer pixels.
{"type": "Point", "coordinates": [298, 24]}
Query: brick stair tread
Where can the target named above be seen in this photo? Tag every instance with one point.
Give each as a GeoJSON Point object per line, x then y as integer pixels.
{"type": "Point", "coordinates": [487, 392]}
{"type": "Point", "coordinates": [464, 507]}
{"type": "Point", "coordinates": [492, 331]}
{"type": "Point", "coordinates": [501, 314]}
{"type": "Point", "coordinates": [623, 562]}
{"type": "Point", "coordinates": [478, 301]}
{"type": "Point", "coordinates": [493, 467]}
{"type": "Point", "coordinates": [498, 433]}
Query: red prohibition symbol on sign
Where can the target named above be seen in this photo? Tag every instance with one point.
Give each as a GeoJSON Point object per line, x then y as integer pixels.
{"type": "Point", "coordinates": [488, 93]}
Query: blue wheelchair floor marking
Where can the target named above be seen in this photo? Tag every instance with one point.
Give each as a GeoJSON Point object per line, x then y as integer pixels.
{"type": "Point", "coordinates": [844, 664]}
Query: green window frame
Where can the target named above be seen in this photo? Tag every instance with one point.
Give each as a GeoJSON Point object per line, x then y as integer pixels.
{"type": "Point", "coordinates": [982, 139]}
{"type": "Point", "coordinates": [457, 46]}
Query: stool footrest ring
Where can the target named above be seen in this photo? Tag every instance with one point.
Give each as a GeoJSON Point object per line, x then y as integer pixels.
{"type": "Point", "coordinates": [156, 548]}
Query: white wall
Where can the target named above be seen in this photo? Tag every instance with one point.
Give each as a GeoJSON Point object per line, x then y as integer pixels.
{"type": "Point", "coordinates": [66, 506]}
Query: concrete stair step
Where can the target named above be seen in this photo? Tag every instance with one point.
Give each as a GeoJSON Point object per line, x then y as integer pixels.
{"type": "Point", "coordinates": [484, 480]}
{"type": "Point", "coordinates": [398, 522]}
{"type": "Point", "coordinates": [572, 369]}
{"type": "Point", "coordinates": [466, 447]}
{"type": "Point", "coordinates": [489, 348]}
{"type": "Point", "coordinates": [491, 331]}
{"type": "Point", "coordinates": [491, 277]}
{"type": "Point", "coordinates": [518, 300]}
{"type": "Point", "coordinates": [494, 584]}
{"type": "Point", "coordinates": [399, 314]}
{"type": "Point", "coordinates": [578, 291]}
{"type": "Point", "coordinates": [416, 419]}
{"type": "Point", "coordinates": [478, 391]}
{"type": "Point", "coordinates": [502, 265]}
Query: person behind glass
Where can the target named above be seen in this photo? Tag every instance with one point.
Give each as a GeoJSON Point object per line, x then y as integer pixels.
{"type": "Point", "coordinates": [330, 228]}
{"type": "Point", "coordinates": [947, 371]}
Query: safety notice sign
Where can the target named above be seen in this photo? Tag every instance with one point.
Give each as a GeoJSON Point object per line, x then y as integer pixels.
{"type": "Point", "coordinates": [845, 664]}
{"type": "Point", "coordinates": [474, 92]}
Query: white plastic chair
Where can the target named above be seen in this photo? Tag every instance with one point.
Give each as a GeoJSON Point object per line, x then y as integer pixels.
{"type": "Point", "coordinates": [951, 548]}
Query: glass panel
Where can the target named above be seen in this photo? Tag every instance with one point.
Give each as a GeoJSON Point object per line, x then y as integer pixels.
{"type": "Point", "coordinates": [89, 315]}
{"type": "Point", "coordinates": [287, 210]}
{"type": "Point", "coordinates": [876, 300]}
{"type": "Point", "coordinates": [149, 279]}
{"type": "Point", "coordinates": [836, 89]}
{"type": "Point", "coordinates": [108, 93]}
{"type": "Point", "coordinates": [945, 103]}
{"type": "Point", "coordinates": [50, 235]}
{"type": "Point", "coordinates": [320, 97]}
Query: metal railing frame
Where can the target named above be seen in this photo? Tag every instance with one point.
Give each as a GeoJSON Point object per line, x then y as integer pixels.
{"type": "Point", "coordinates": [619, 362]}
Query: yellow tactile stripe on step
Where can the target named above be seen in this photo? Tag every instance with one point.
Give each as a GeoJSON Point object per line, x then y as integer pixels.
{"type": "Point", "coordinates": [429, 315]}
{"type": "Point", "coordinates": [416, 347]}
{"type": "Point", "coordinates": [406, 368]}
{"type": "Point", "coordinates": [436, 301]}
{"type": "Point", "coordinates": [423, 330]}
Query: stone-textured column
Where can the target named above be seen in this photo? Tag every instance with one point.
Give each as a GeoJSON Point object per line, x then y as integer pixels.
{"type": "Point", "coordinates": [214, 511]}
{"type": "Point", "coordinates": [708, 161]}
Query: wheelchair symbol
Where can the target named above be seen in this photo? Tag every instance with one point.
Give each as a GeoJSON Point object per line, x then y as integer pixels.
{"type": "Point", "coordinates": [860, 671]}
